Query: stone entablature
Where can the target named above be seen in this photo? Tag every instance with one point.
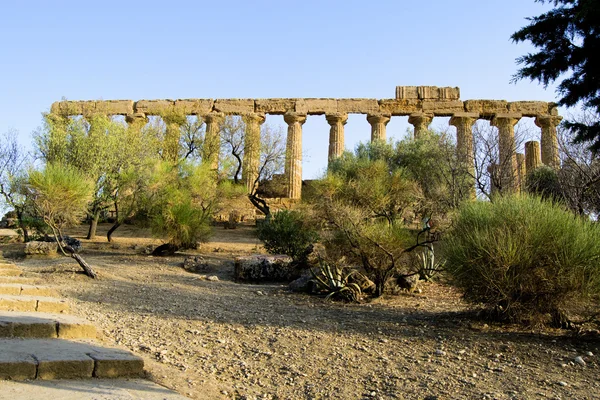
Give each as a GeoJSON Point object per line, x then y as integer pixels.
{"type": "Point", "coordinates": [420, 103]}
{"type": "Point", "coordinates": [309, 106]}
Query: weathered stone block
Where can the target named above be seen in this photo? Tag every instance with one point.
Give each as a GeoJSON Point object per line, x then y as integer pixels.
{"type": "Point", "coordinates": [234, 106]}
{"type": "Point", "coordinates": [316, 106]}
{"type": "Point", "coordinates": [153, 107]}
{"type": "Point", "coordinates": [12, 289]}
{"type": "Point", "coordinates": [449, 93]}
{"type": "Point", "coordinates": [10, 272]}
{"type": "Point", "coordinates": [114, 363]}
{"type": "Point", "coordinates": [406, 92]}
{"type": "Point", "coordinates": [400, 107]}
{"type": "Point", "coordinates": [260, 268]}
{"type": "Point", "coordinates": [17, 303]}
{"type": "Point", "coordinates": [66, 108]}
{"type": "Point", "coordinates": [427, 92]}
{"type": "Point", "coordinates": [529, 108]}
{"type": "Point", "coordinates": [443, 108]}
{"type": "Point", "coordinates": [51, 305]}
{"type": "Point", "coordinates": [16, 365]}
{"type": "Point", "coordinates": [196, 264]}
{"type": "Point", "coordinates": [275, 106]}
{"type": "Point", "coordinates": [486, 107]}
{"type": "Point", "coordinates": [40, 248]}
{"type": "Point", "coordinates": [31, 290]}
{"type": "Point", "coordinates": [114, 107]}
{"type": "Point", "coordinates": [360, 106]}
{"type": "Point", "coordinates": [194, 106]}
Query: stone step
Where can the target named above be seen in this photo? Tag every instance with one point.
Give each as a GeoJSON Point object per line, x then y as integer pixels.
{"type": "Point", "coordinates": [5, 271]}
{"type": "Point", "coordinates": [91, 389]}
{"type": "Point", "coordinates": [16, 289]}
{"type": "Point", "coordinates": [43, 325]}
{"type": "Point", "coordinates": [33, 303]}
{"type": "Point", "coordinates": [65, 359]}
{"type": "Point", "coordinates": [17, 279]}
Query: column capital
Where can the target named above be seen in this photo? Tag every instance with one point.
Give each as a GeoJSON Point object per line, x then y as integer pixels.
{"type": "Point", "coordinates": [463, 118]}
{"type": "Point", "coordinates": [136, 117]}
{"type": "Point", "coordinates": [335, 118]}
{"type": "Point", "coordinates": [506, 118]}
{"type": "Point", "coordinates": [213, 117]}
{"type": "Point", "coordinates": [420, 118]}
{"type": "Point", "coordinates": [292, 118]}
{"type": "Point", "coordinates": [549, 121]}
{"type": "Point", "coordinates": [378, 118]}
{"type": "Point", "coordinates": [254, 117]}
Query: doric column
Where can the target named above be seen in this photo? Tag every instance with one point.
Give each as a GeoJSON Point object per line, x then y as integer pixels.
{"type": "Point", "coordinates": [251, 149]}
{"type": "Point", "coordinates": [548, 123]}
{"type": "Point", "coordinates": [212, 139]}
{"type": "Point", "coordinates": [293, 154]}
{"type": "Point", "coordinates": [521, 170]}
{"type": "Point", "coordinates": [336, 134]}
{"type": "Point", "coordinates": [136, 120]}
{"type": "Point", "coordinates": [172, 136]}
{"type": "Point", "coordinates": [532, 156]}
{"type": "Point", "coordinates": [507, 150]}
{"type": "Point", "coordinates": [464, 145]}
{"type": "Point", "coordinates": [378, 123]}
{"type": "Point", "coordinates": [421, 122]}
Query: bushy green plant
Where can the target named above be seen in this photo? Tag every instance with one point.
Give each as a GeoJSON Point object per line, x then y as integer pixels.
{"type": "Point", "coordinates": [523, 257]}
{"type": "Point", "coordinates": [287, 232]}
{"type": "Point", "coordinates": [543, 181]}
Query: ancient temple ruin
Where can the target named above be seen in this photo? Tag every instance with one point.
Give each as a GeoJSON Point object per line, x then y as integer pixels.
{"type": "Point", "coordinates": [420, 103]}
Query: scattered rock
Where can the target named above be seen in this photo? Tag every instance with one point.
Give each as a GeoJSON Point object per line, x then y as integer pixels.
{"type": "Point", "coordinates": [195, 264]}
{"type": "Point", "coordinates": [563, 384]}
{"type": "Point", "coordinates": [260, 268]}
{"type": "Point", "coordinates": [440, 352]}
{"type": "Point", "coordinates": [579, 360]}
{"type": "Point", "coordinates": [39, 248]}
{"type": "Point", "coordinates": [212, 278]}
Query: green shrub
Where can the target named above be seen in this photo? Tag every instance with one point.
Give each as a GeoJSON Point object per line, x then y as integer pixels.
{"type": "Point", "coordinates": [184, 223]}
{"type": "Point", "coordinates": [288, 233]}
{"type": "Point", "coordinates": [523, 257]}
{"type": "Point", "coordinates": [543, 181]}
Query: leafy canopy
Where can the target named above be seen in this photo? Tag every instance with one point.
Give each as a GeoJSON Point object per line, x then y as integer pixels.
{"type": "Point", "coordinates": [568, 40]}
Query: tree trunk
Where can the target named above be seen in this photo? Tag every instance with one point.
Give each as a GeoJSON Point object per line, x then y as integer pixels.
{"type": "Point", "coordinates": [112, 230]}
{"type": "Point", "coordinates": [23, 226]}
{"type": "Point", "coordinates": [261, 205]}
{"type": "Point", "coordinates": [93, 225]}
{"type": "Point", "coordinates": [89, 271]}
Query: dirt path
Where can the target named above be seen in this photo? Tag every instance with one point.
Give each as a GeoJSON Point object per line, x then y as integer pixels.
{"type": "Point", "coordinates": [220, 339]}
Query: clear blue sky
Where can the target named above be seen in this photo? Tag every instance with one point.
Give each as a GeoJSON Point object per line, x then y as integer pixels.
{"type": "Point", "coordinates": [250, 49]}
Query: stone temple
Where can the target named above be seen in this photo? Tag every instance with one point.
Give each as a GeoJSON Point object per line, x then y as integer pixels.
{"type": "Point", "coordinates": [420, 103]}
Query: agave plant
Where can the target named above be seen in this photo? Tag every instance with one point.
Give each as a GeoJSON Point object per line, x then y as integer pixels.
{"type": "Point", "coordinates": [428, 267]}
{"type": "Point", "coordinates": [332, 280]}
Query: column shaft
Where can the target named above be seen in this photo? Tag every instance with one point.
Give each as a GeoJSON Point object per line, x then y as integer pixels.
{"type": "Point", "coordinates": [212, 140]}
{"type": "Point", "coordinates": [421, 122]}
{"type": "Point", "coordinates": [171, 142]}
{"type": "Point", "coordinates": [336, 134]}
{"type": "Point", "coordinates": [136, 121]}
{"type": "Point", "coordinates": [532, 156]}
{"type": "Point", "coordinates": [250, 168]}
{"type": "Point", "coordinates": [521, 170]}
{"type": "Point", "coordinates": [507, 151]}
{"type": "Point", "coordinates": [549, 140]}
{"type": "Point", "coordinates": [293, 154]}
{"type": "Point", "coordinates": [378, 123]}
{"type": "Point", "coordinates": [464, 146]}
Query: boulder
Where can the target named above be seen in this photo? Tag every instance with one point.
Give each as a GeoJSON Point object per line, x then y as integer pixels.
{"type": "Point", "coordinates": [195, 264]}
{"type": "Point", "coordinates": [39, 248]}
{"type": "Point", "coordinates": [261, 268]}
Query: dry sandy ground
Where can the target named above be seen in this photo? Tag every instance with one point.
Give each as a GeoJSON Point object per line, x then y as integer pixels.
{"type": "Point", "coordinates": [220, 339]}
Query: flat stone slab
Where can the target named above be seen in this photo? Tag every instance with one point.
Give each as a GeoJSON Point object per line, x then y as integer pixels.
{"type": "Point", "coordinates": [113, 389]}
{"type": "Point", "coordinates": [16, 279]}
{"type": "Point", "coordinates": [16, 289]}
{"type": "Point", "coordinates": [44, 325]}
{"type": "Point", "coordinates": [33, 303]}
{"type": "Point", "coordinates": [65, 359]}
{"type": "Point", "coordinates": [5, 270]}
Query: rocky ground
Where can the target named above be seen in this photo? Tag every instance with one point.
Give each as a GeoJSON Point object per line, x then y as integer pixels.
{"type": "Point", "coordinates": [211, 339]}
